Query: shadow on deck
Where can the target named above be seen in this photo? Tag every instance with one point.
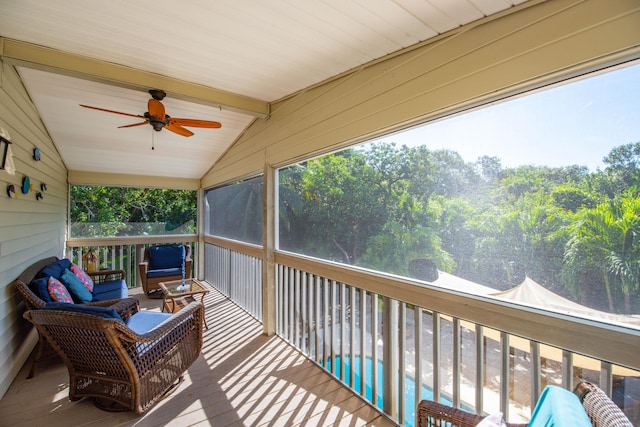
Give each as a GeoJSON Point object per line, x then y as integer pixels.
{"type": "Point", "coordinates": [242, 378]}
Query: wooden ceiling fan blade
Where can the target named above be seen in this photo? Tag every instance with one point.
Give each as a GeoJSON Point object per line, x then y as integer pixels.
{"type": "Point", "coordinates": [134, 124]}
{"type": "Point", "coordinates": [194, 123]}
{"type": "Point", "coordinates": [156, 109]}
{"type": "Point", "coordinates": [176, 128]}
{"type": "Point", "coordinates": [112, 111]}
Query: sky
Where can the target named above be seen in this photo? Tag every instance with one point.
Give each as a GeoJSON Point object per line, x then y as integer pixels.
{"type": "Point", "coordinates": [571, 123]}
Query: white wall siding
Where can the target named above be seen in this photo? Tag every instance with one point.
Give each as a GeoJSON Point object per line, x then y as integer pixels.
{"type": "Point", "coordinates": [29, 229]}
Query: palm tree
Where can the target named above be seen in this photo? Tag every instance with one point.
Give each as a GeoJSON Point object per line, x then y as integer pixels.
{"type": "Point", "coordinates": [607, 236]}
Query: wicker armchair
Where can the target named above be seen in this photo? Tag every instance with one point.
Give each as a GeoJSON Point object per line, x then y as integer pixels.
{"type": "Point", "coordinates": [32, 302]}
{"type": "Point", "coordinates": [432, 414]}
{"type": "Point", "coordinates": [151, 275]}
{"type": "Point", "coordinates": [109, 361]}
{"type": "Point", "coordinates": [602, 411]}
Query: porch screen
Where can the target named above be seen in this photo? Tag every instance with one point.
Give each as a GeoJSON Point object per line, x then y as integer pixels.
{"type": "Point", "coordinates": [234, 211]}
{"type": "Point", "coordinates": [533, 194]}
{"type": "Point", "coordinates": [99, 211]}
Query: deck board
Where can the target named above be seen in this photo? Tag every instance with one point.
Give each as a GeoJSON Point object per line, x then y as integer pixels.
{"type": "Point", "coordinates": [243, 378]}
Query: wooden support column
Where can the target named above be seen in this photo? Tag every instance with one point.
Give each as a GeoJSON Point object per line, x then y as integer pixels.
{"type": "Point", "coordinates": [269, 244]}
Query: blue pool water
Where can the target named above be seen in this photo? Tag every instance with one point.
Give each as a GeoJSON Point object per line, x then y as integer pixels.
{"type": "Point", "coordinates": [409, 388]}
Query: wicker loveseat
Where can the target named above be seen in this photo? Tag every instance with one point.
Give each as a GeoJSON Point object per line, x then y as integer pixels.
{"type": "Point", "coordinates": [123, 363]}
{"type": "Point", "coordinates": [164, 263]}
{"type": "Point", "coordinates": [600, 411]}
{"type": "Point", "coordinates": [109, 288]}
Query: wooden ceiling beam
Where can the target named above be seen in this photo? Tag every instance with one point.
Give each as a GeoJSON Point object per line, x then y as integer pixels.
{"type": "Point", "coordinates": [16, 52]}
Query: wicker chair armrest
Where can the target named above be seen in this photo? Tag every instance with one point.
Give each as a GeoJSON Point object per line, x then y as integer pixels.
{"type": "Point", "coordinates": [194, 309]}
{"type": "Point", "coordinates": [125, 307]}
{"type": "Point", "coordinates": [31, 300]}
{"type": "Point", "coordinates": [106, 275]}
{"type": "Point", "coordinates": [183, 330]}
{"type": "Point", "coordinates": [431, 414]}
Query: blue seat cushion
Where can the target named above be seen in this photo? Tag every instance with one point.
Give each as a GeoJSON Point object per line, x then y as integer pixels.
{"type": "Point", "coordinates": [113, 289]}
{"type": "Point", "coordinates": [55, 269]}
{"type": "Point", "coordinates": [144, 321]}
{"type": "Point", "coordinates": [558, 407]}
{"type": "Point", "coordinates": [161, 257]}
{"type": "Point", "coordinates": [105, 312]}
{"type": "Point", "coordinates": [164, 272]}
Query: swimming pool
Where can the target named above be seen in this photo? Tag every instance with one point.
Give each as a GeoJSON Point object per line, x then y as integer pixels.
{"type": "Point", "coordinates": [409, 385]}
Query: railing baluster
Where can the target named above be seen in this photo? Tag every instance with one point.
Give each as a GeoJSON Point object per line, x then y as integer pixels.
{"type": "Point", "coordinates": [480, 369]}
{"type": "Point", "coordinates": [374, 348]}
{"type": "Point", "coordinates": [436, 356]}
{"type": "Point", "coordinates": [363, 342]}
{"type": "Point", "coordinates": [343, 329]}
{"type": "Point", "coordinates": [457, 359]}
{"type": "Point", "coordinates": [417, 336]}
{"type": "Point", "coordinates": [352, 335]}
{"type": "Point", "coordinates": [535, 372]}
{"type": "Point", "coordinates": [402, 369]}
{"type": "Point", "coordinates": [504, 374]}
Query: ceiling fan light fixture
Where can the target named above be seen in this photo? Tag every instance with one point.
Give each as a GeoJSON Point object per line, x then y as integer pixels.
{"type": "Point", "coordinates": [158, 119]}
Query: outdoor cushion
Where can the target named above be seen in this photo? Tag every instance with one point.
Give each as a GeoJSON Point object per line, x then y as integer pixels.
{"type": "Point", "coordinates": [78, 292]}
{"type": "Point", "coordinates": [113, 289]}
{"type": "Point", "coordinates": [94, 310]}
{"type": "Point", "coordinates": [144, 321]}
{"type": "Point", "coordinates": [83, 276]}
{"type": "Point", "coordinates": [57, 291]}
{"type": "Point", "coordinates": [558, 407]}
{"type": "Point", "coordinates": [40, 288]}
{"type": "Point", "coordinates": [163, 272]}
{"type": "Point", "coordinates": [55, 269]}
{"type": "Point", "coordinates": [161, 257]}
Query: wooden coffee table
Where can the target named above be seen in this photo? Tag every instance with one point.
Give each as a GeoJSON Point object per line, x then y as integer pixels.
{"type": "Point", "coordinates": [175, 295]}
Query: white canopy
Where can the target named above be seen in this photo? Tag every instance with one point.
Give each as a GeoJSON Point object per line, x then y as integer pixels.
{"type": "Point", "coordinates": [531, 293]}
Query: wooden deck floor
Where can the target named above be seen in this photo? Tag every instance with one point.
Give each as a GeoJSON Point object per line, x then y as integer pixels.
{"type": "Point", "coordinates": [242, 378]}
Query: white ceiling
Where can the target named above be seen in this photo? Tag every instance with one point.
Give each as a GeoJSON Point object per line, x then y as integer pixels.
{"type": "Point", "coordinates": [265, 50]}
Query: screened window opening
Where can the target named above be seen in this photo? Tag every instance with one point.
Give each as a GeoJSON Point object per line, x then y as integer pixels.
{"type": "Point", "coordinates": [101, 211]}
{"type": "Point", "coordinates": [537, 195]}
{"type": "Point", "coordinates": [234, 211]}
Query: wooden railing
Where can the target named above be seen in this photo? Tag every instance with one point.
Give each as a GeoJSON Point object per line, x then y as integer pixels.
{"type": "Point", "coordinates": [124, 253]}
{"type": "Point", "coordinates": [395, 341]}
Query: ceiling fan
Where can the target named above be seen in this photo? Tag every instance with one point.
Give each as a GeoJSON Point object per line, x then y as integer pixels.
{"type": "Point", "coordinates": [158, 119]}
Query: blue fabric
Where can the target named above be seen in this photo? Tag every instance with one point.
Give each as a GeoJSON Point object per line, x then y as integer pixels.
{"type": "Point", "coordinates": [144, 321]}
{"type": "Point", "coordinates": [78, 292]}
{"type": "Point", "coordinates": [39, 287]}
{"type": "Point", "coordinates": [106, 312]}
{"type": "Point", "coordinates": [164, 272]}
{"type": "Point", "coordinates": [558, 407]}
{"type": "Point", "coordinates": [161, 257]}
{"type": "Point", "coordinates": [113, 289]}
{"type": "Point", "coordinates": [55, 269]}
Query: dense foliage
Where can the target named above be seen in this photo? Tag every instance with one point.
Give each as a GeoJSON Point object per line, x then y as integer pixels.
{"type": "Point", "coordinates": [98, 211]}
{"type": "Point", "coordinates": [384, 207]}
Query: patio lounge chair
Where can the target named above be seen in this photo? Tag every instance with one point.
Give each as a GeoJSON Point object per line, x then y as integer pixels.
{"type": "Point", "coordinates": [162, 264]}
{"type": "Point", "coordinates": [124, 364]}
{"type": "Point", "coordinates": [556, 406]}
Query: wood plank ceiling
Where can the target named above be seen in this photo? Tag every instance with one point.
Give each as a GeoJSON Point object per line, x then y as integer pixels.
{"type": "Point", "coordinates": [248, 51]}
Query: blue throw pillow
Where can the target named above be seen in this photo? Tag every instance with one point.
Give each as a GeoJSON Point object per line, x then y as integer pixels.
{"type": "Point", "coordinates": [78, 291]}
{"type": "Point", "coordinates": [106, 312]}
{"type": "Point", "coordinates": [55, 269]}
{"type": "Point", "coordinates": [40, 288]}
